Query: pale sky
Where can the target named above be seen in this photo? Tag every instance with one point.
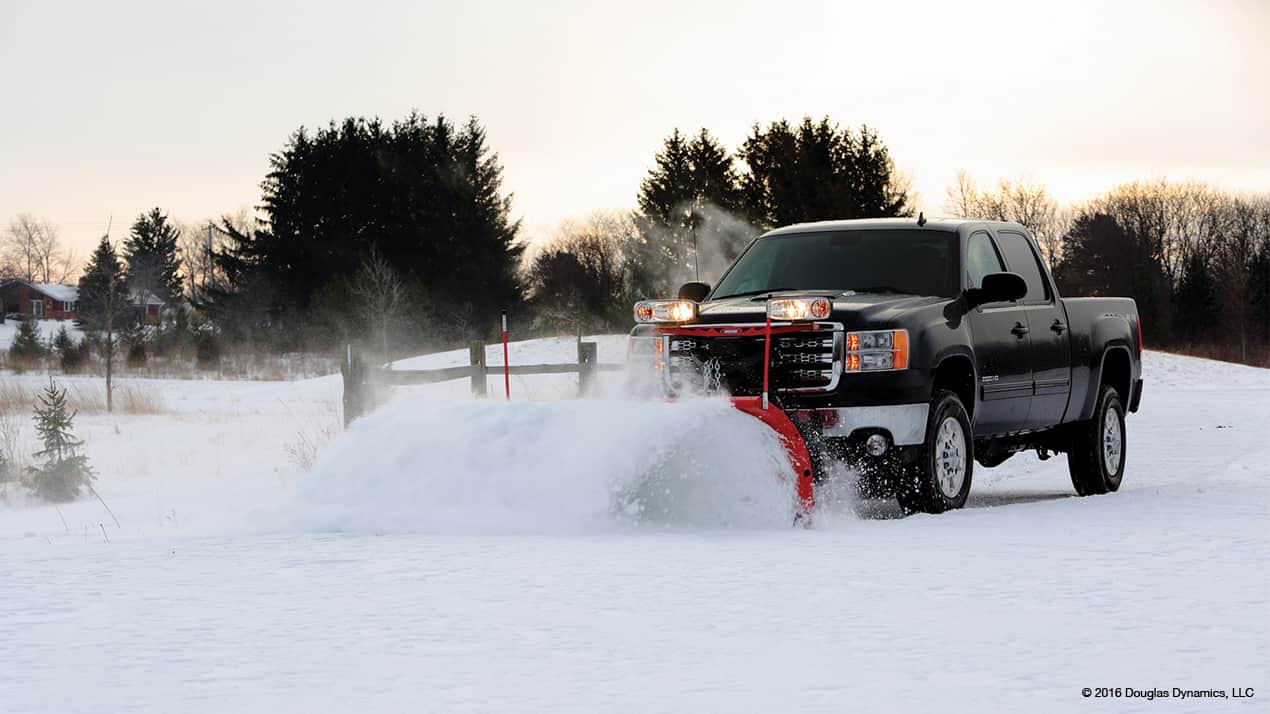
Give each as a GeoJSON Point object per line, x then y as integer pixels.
{"type": "Point", "coordinates": [113, 108]}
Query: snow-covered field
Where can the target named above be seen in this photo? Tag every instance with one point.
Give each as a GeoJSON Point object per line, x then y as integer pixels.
{"type": "Point", "coordinates": [546, 555]}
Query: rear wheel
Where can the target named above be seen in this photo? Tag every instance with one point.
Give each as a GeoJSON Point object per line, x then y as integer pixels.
{"type": "Point", "coordinates": [941, 479]}
{"type": "Point", "coordinates": [1096, 454]}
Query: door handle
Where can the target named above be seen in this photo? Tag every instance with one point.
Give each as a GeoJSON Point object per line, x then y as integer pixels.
{"type": "Point", "coordinates": [1019, 330]}
{"type": "Point", "coordinates": [1058, 326]}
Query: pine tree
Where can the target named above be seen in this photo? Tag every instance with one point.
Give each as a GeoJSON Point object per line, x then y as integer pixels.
{"type": "Point", "coordinates": [70, 353]}
{"type": "Point", "coordinates": [1197, 309]}
{"type": "Point", "coordinates": [27, 347]}
{"type": "Point", "coordinates": [1101, 258]}
{"type": "Point", "coordinates": [64, 471]}
{"type": "Point", "coordinates": [62, 341]}
{"type": "Point", "coordinates": [151, 253]}
{"type": "Point", "coordinates": [427, 193]}
{"type": "Point", "coordinates": [103, 305]}
{"type": "Point", "coordinates": [685, 218]}
{"type": "Point", "coordinates": [818, 172]}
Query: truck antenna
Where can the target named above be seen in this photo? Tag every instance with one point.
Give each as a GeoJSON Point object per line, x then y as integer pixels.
{"type": "Point", "coordinates": [921, 218]}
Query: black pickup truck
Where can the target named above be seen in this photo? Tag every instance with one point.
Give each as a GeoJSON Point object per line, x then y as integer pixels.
{"type": "Point", "coordinates": [910, 349]}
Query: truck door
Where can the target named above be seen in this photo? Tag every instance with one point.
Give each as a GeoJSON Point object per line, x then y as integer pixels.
{"type": "Point", "coordinates": [1000, 333]}
{"type": "Point", "coordinates": [1051, 355]}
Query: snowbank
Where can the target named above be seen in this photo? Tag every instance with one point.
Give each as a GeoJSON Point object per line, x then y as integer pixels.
{"type": "Point", "coordinates": [489, 467]}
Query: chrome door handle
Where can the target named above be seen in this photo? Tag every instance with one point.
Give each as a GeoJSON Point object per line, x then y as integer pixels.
{"type": "Point", "coordinates": [1058, 326]}
{"type": "Point", "coordinates": [1019, 330]}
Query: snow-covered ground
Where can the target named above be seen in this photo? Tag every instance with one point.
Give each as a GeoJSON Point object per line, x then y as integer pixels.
{"type": "Point", "coordinates": [547, 555]}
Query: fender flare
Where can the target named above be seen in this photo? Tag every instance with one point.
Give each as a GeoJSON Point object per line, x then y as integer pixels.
{"type": "Point", "coordinates": [1095, 379]}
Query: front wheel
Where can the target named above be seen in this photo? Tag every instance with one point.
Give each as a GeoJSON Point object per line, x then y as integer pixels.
{"type": "Point", "coordinates": [941, 479]}
{"type": "Point", "coordinates": [1096, 454]}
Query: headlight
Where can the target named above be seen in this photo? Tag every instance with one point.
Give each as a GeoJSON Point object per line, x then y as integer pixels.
{"type": "Point", "coordinates": [647, 311]}
{"type": "Point", "coordinates": [796, 309]}
{"type": "Point", "coordinates": [876, 351]}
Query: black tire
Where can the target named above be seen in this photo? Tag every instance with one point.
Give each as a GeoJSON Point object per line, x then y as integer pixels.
{"type": "Point", "coordinates": [921, 489]}
{"type": "Point", "coordinates": [1089, 457]}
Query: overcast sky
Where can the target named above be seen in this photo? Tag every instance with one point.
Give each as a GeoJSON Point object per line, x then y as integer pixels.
{"type": "Point", "coordinates": [112, 108]}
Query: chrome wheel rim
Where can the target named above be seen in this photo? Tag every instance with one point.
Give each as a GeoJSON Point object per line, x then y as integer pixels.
{"type": "Point", "coordinates": [1112, 441]}
{"type": "Point", "coordinates": [950, 457]}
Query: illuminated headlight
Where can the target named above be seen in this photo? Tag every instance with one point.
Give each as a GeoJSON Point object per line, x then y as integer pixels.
{"type": "Point", "coordinates": [876, 351]}
{"type": "Point", "coordinates": [647, 311]}
{"type": "Point", "coordinates": [796, 309]}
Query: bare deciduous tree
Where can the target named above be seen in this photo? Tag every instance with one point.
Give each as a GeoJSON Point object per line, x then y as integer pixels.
{"type": "Point", "coordinates": [380, 295]}
{"type": "Point", "coordinates": [584, 276]}
{"type": "Point", "coordinates": [1022, 201]}
{"type": "Point", "coordinates": [32, 251]}
{"type": "Point", "coordinates": [195, 242]}
{"type": "Point", "coordinates": [1244, 224]}
{"type": "Point", "coordinates": [1174, 219]}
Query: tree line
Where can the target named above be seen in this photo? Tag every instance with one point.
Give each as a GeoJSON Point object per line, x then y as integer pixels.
{"type": "Point", "coordinates": [1194, 257]}
{"type": "Point", "coordinates": [699, 205]}
{"type": "Point", "coordinates": [400, 235]}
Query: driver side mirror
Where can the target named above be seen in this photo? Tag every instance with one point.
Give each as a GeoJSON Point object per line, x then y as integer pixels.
{"type": "Point", "coordinates": [695, 292]}
{"type": "Point", "coordinates": [997, 287]}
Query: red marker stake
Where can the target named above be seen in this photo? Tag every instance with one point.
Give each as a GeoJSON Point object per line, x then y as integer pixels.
{"type": "Point", "coordinates": [767, 357]}
{"type": "Point", "coordinates": [507, 370]}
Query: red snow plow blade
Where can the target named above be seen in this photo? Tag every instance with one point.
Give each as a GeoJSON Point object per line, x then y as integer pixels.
{"type": "Point", "coordinates": [761, 408]}
{"type": "Point", "coordinates": [795, 447]}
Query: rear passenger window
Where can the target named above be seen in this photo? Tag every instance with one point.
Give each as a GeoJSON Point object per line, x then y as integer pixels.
{"type": "Point", "coordinates": [981, 259]}
{"type": "Point", "coordinates": [1022, 260]}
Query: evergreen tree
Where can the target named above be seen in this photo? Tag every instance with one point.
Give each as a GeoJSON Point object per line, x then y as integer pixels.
{"type": "Point", "coordinates": [817, 172]}
{"type": "Point", "coordinates": [427, 193]}
{"type": "Point", "coordinates": [64, 471]}
{"type": "Point", "coordinates": [1101, 258]}
{"type": "Point", "coordinates": [1198, 309]}
{"type": "Point", "coordinates": [62, 341]}
{"type": "Point", "coordinates": [686, 213]}
{"type": "Point", "coordinates": [1093, 250]}
{"type": "Point", "coordinates": [243, 302]}
{"type": "Point", "coordinates": [151, 253]}
{"type": "Point", "coordinates": [69, 353]}
{"type": "Point", "coordinates": [27, 347]}
{"type": "Point", "coordinates": [103, 305]}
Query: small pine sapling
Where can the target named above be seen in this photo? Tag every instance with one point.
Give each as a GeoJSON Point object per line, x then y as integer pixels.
{"type": "Point", "coordinates": [27, 348]}
{"type": "Point", "coordinates": [68, 351]}
{"type": "Point", "coordinates": [64, 470]}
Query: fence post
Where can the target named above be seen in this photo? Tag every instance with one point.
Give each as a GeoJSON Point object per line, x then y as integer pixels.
{"type": "Point", "coordinates": [476, 350]}
{"type": "Point", "coordinates": [586, 367]}
{"type": "Point", "coordinates": [353, 370]}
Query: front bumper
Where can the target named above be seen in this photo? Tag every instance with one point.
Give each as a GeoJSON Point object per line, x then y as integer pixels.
{"type": "Point", "coordinates": [904, 423]}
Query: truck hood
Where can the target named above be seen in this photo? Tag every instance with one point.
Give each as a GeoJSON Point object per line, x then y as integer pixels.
{"type": "Point", "coordinates": [851, 309]}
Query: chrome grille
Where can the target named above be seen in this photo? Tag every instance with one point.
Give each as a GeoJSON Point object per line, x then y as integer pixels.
{"type": "Point", "coordinates": [802, 362]}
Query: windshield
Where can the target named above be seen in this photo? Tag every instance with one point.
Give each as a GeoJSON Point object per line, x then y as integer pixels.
{"type": "Point", "coordinates": [916, 262]}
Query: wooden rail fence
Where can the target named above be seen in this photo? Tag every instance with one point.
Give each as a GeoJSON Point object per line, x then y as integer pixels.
{"type": "Point", "coordinates": [361, 380]}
